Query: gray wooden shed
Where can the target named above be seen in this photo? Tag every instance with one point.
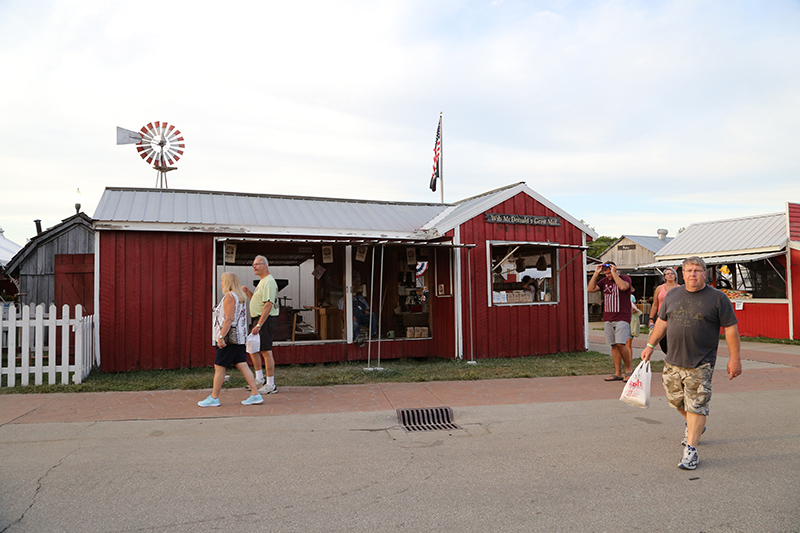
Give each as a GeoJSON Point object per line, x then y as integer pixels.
{"type": "Point", "coordinates": [57, 265]}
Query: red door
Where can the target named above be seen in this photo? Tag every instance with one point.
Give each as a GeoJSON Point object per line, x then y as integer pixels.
{"type": "Point", "coordinates": [74, 283]}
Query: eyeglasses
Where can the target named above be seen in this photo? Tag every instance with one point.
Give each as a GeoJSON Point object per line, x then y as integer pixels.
{"type": "Point", "coordinates": [256, 264]}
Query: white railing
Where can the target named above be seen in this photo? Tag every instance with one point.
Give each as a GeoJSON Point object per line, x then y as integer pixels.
{"type": "Point", "coordinates": [39, 345]}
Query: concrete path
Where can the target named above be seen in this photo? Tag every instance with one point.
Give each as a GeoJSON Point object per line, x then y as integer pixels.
{"type": "Point", "coordinates": [545, 454]}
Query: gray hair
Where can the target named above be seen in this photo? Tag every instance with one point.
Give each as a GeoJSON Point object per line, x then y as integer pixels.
{"type": "Point", "coordinates": [695, 260]}
{"type": "Point", "coordinates": [266, 263]}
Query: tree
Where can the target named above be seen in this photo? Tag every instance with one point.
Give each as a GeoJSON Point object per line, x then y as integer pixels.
{"type": "Point", "coordinates": [600, 245]}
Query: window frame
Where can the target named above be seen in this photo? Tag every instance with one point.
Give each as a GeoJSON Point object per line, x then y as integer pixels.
{"type": "Point", "coordinates": [554, 269]}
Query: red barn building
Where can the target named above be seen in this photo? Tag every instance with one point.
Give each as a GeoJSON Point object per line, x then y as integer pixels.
{"type": "Point", "coordinates": [755, 260]}
{"type": "Point", "coordinates": [496, 275]}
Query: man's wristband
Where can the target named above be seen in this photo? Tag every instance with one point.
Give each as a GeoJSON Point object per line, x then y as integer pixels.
{"type": "Point", "coordinates": [258, 326]}
{"type": "Point", "coordinates": [650, 346]}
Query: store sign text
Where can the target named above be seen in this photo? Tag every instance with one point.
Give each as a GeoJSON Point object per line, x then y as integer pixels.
{"type": "Point", "coordinates": [531, 220]}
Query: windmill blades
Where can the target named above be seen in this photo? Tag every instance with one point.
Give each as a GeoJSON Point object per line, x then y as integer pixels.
{"type": "Point", "coordinates": [146, 152]}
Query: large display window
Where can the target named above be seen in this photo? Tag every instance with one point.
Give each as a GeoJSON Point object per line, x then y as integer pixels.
{"type": "Point", "coordinates": [523, 273]}
{"type": "Point", "coordinates": [389, 285]}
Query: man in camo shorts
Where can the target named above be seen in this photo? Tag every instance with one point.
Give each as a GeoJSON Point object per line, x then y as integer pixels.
{"type": "Point", "coordinates": [691, 317]}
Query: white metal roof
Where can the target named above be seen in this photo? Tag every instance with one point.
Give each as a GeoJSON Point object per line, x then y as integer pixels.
{"type": "Point", "coordinates": [735, 236]}
{"type": "Point", "coordinates": [654, 244]}
{"type": "Point", "coordinates": [715, 260]}
{"type": "Point", "coordinates": [225, 212]}
{"type": "Point", "coordinates": [468, 208]}
{"type": "Point", "coordinates": [213, 211]}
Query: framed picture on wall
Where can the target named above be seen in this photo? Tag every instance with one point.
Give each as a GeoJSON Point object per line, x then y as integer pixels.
{"type": "Point", "coordinates": [327, 254]}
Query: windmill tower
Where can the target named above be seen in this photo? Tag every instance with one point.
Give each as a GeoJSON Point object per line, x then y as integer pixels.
{"type": "Point", "coordinates": [159, 144]}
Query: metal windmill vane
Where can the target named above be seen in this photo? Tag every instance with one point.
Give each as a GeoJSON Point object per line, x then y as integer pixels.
{"type": "Point", "coordinates": [159, 144]}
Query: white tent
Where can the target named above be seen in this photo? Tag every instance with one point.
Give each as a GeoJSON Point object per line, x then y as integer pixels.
{"type": "Point", "coordinates": [8, 249]}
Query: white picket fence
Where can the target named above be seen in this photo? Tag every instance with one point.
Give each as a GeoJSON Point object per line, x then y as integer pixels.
{"type": "Point", "coordinates": [29, 345]}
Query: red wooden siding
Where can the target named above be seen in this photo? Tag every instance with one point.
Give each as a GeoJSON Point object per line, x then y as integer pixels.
{"type": "Point", "coordinates": [155, 300]}
{"type": "Point", "coordinates": [508, 331]}
{"type": "Point", "coordinates": [764, 319]}
{"type": "Point", "coordinates": [794, 268]}
{"type": "Point", "coordinates": [794, 221]}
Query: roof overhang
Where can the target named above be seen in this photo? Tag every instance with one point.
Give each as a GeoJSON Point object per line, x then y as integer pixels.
{"type": "Point", "coordinates": [277, 232]}
{"type": "Point", "coordinates": [718, 259]}
{"type": "Point", "coordinates": [355, 242]}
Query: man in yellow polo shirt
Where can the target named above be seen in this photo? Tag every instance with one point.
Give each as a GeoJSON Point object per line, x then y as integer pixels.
{"type": "Point", "coordinates": [264, 311]}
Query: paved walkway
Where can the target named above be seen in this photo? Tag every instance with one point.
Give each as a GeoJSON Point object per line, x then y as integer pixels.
{"type": "Point", "coordinates": [766, 367]}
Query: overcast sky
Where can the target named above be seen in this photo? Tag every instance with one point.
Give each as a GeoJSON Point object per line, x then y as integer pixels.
{"type": "Point", "coordinates": [630, 115]}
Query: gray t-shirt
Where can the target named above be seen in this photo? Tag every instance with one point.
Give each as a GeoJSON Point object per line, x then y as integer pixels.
{"type": "Point", "coordinates": [694, 320]}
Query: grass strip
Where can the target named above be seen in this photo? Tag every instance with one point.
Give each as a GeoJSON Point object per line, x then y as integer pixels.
{"type": "Point", "coordinates": [349, 373]}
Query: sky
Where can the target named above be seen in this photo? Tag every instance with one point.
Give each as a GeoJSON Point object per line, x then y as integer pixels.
{"type": "Point", "coordinates": [629, 115]}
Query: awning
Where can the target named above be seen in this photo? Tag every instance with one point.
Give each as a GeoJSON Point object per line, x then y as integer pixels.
{"type": "Point", "coordinates": [718, 260]}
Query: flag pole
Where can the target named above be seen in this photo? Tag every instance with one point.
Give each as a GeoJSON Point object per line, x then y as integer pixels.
{"type": "Point", "coordinates": [441, 169]}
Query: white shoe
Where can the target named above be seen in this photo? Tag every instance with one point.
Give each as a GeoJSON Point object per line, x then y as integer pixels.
{"type": "Point", "coordinates": [268, 389]}
{"type": "Point", "coordinates": [259, 382]}
{"type": "Point", "coordinates": [689, 459]}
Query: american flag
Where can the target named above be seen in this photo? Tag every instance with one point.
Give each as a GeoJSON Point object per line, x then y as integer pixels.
{"type": "Point", "coordinates": [436, 152]}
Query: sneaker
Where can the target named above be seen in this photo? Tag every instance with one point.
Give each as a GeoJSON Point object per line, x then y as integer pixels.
{"type": "Point", "coordinates": [259, 382]}
{"type": "Point", "coordinates": [686, 434]}
{"type": "Point", "coordinates": [253, 400]}
{"type": "Point", "coordinates": [209, 402]}
{"type": "Point", "coordinates": [689, 459]}
{"type": "Point", "coordinates": [268, 389]}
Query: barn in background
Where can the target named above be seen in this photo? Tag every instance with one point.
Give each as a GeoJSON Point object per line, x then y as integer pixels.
{"type": "Point", "coordinates": [496, 275]}
{"type": "Point", "coordinates": [57, 265]}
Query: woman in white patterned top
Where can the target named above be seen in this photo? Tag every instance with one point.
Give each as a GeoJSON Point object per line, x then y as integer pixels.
{"type": "Point", "coordinates": [230, 332]}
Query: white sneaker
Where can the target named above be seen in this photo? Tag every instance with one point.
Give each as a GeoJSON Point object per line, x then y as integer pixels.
{"type": "Point", "coordinates": [268, 389]}
{"type": "Point", "coordinates": [689, 459]}
{"type": "Point", "coordinates": [259, 382]}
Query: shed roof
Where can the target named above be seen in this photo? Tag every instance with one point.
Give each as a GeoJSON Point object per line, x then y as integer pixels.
{"type": "Point", "coordinates": [735, 236]}
{"type": "Point", "coordinates": [654, 244]}
{"type": "Point", "coordinates": [46, 236]}
{"type": "Point", "coordinates": [227, 212]}
{"type": "Point", "coordinates": [463, 210]}
{"type": "Point", "coordinates": [260, 213]}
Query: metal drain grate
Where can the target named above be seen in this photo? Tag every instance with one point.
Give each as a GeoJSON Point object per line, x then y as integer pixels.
{"type": "Point", "coordinates": [427, 419]}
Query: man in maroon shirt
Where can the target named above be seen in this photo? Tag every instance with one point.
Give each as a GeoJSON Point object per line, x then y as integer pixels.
{"type": "Point", "coordinates": [616, 289]}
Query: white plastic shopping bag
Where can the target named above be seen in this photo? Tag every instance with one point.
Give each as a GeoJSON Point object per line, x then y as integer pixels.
{"type": "Point", "coordinates": [253, 343]}
{"type": "Point", "coordinates": [637, 389]}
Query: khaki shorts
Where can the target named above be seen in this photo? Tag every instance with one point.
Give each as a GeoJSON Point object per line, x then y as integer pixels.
{"type": "Point", "coordinates": [617, 332]}
{"type": "Point", "coordinates": [688, 389]}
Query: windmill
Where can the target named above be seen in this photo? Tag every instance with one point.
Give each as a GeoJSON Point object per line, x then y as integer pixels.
{"type": "Point", "coordinates": [159, 144]}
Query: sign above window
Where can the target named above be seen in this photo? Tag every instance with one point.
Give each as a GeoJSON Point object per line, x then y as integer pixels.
{"type": "Point", "coordinates": [626, 247]}
{"type": "Point", "coordinates": [531, 220]}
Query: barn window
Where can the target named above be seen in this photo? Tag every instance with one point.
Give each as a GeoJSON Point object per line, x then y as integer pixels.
{"type": "Point", "coordinates": [523, 273]}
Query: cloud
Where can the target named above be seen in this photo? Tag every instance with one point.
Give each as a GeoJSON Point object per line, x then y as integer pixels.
{"type": "Point", "coordinates": [671, 110]}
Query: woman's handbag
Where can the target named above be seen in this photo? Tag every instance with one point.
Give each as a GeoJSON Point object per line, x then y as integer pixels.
{"type": "Point", "coordinates": [637, 389]}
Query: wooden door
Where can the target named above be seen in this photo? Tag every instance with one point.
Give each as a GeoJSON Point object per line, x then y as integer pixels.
{"type": "Point", "coordinates": [74, 281]}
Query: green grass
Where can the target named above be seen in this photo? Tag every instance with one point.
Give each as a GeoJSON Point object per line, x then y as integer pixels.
{"type": "Point", "coordinates": [400, 371]}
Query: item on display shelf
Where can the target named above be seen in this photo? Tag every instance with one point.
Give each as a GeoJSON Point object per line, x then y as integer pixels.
{"type": "Point", "coordinates": [737, 295]}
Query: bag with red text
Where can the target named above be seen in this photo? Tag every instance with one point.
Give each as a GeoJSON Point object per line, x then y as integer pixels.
{"type": "Point", "coordinates": [637, 389]}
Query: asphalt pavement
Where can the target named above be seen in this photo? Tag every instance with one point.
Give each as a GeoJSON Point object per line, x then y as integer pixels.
{"type": "Point", "coordinates": [544, 454]}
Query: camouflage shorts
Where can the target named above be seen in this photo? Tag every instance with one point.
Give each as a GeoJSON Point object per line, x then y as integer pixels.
{"type": "Point", "coordinates": [688, 389]}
